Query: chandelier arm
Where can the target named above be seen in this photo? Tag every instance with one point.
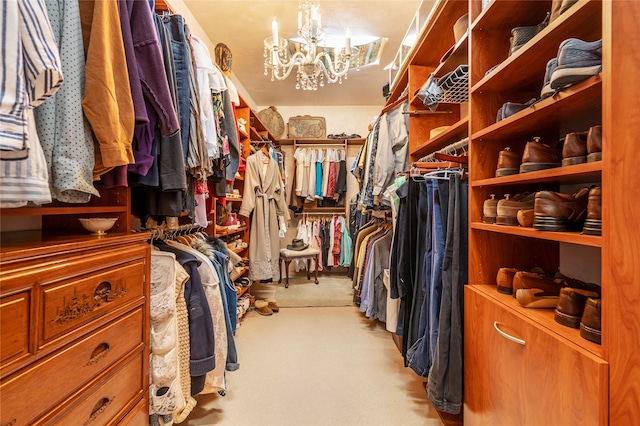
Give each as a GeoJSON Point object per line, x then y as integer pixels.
{"type": "Point", "coordinates": [293, 60]}
{"type": "Point", "coordinates": [331, 71]}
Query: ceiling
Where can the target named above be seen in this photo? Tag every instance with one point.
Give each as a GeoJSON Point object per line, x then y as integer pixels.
{"type": "Point", "coordinates": [244, 24]}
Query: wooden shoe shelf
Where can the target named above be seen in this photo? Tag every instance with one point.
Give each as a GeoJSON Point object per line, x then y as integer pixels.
{"type": "Point", "coordinates": [555, 374]}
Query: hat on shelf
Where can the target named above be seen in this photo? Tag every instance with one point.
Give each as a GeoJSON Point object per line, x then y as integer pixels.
{"type": "Point", "coordinates": [297, 245]}
{"type": "Point", "coordinates": [460, 27]}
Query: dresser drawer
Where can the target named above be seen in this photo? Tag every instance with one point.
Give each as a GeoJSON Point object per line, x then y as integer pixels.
{"type": "Point", "coordinates": [110, 399]}
{"type": "Point", "coordinates": [31, 392]}
{"type": "Point", "coordinates": [69, 304]}
{"type": "Point", "coordinates": [14, 326]}
{"type": "Point", "coordinates": [139, 415]}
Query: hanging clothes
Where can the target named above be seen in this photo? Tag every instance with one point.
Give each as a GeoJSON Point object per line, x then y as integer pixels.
{"type": "Point", "coordinates": [428, 270]}
{"type": "Point", "coordinates": [23, 167]}
{"type": "Point", "coordinates": [200, 321]}
{"type": "Point", "coordinates": [264, 202]}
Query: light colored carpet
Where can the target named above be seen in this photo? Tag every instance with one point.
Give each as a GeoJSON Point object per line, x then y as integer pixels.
{"type": "Point", "coordinates": [333, 290]}
{"type": "Point", "coordinates": [326, 366]}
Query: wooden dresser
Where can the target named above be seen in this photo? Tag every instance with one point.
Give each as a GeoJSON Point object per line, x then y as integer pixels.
{"type": "Point", "coordinates": [74, 328]}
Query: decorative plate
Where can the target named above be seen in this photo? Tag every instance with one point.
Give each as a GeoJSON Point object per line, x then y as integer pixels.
{"type": "Point", "coordinates": [273, 121]}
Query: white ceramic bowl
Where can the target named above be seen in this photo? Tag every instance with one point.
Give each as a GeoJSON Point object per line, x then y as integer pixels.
{"type": "Point", "coordinates": [98, 225]}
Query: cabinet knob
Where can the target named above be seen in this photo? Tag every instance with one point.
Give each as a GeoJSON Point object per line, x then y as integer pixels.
{"type": "Point", "coordinates": [496, 325]}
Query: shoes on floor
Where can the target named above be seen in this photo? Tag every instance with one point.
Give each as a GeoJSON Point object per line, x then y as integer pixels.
{"type": "Point", "coordinates": [507, 209]}
{"type": "Point", "coordinates": [262, 307]}
{"type": "Point", "coordinates": [273, 305]}
{"type": "Point", "coordinates": [574, 150]}
{"type": "Point", "coordinates": [539, 156]}
{"type": "Point", "coordinates": [594, 144]}
{"type": "Point", "coordinates": [577, 61]}
{"type": "Point", "coordinates": [546, 86]}
{"type": "Point", "coordinates": [508, 162]}
{"type": "Point", "coordinates": [571, 304]}
{"type": "Point", "coordinates": [489, 209]}
{"type": "Point", "coordinates": [593, 222]}
{"type": "Point", "coordinates": [590, 324]}
{"type": "Point", "coordinates": [555, 211]}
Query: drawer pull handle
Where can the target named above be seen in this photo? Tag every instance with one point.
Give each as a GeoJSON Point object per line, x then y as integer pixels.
{"type": "Point", "coordinates": [102, 293]}
{"type": "Point", "coordinates": [507, 336]}
{"type": "Point", "coordinates": [99, 409]}
{"type": "Point", "coordinates": [101, 351]}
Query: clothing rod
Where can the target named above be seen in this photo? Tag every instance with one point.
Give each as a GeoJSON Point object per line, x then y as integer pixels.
{"type": "Point", "coordinates": [395, 103]}
{"type": "Point", "coordinates": [425, 112]}
{"type": "Point", "coordinates": [323, 213]}
{"type": "Point", "coordinates": [187, 227]}
{"type": "Point", "coordinates": [319, 144]}
{"type": "Point", "coordinates": [454, 147]}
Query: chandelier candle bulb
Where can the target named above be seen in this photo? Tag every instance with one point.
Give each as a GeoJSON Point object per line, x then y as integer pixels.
{"type": "Point", "coordinates": [274, 31]}
{"type": "Point", "coordinates": [347, 46]}
{"type": "Point", "coordinates": [299, 21]}
{"type": "Point", "coordinates": [314, 22]}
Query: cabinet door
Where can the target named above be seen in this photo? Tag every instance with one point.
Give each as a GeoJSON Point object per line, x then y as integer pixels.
{"type": "Point", "coordinates": [543, 379]}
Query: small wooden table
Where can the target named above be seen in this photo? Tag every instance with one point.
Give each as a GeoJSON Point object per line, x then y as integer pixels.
{"type": "Point", "coordinates": [287, 256]}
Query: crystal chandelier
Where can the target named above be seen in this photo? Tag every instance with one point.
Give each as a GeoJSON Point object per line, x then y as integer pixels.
{"type": "Point", "coordinates": [314, 63]}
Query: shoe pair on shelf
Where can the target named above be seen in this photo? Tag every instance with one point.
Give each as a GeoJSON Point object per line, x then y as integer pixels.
{"type": "Point", "coordinates": [576, 61]}
{"type": "Point", "coordinates": [580, 309]}
{"type": "Point", "coordinates": [506, 210]}
{"type": "Point", "coordinates": [582, 210]}
{"type": "Point", "coordinates": [548, 210]}
{"type": "Point", "coordinates": [576, 303]}
{"type": "Point", "coordinates": [578, 147]}
{"type": "Point", "coordinates": [512, 211]}
{"type": "Point", "coordinates": [582, 147]}
{"type": "Point", "coordinates": [536, 156]}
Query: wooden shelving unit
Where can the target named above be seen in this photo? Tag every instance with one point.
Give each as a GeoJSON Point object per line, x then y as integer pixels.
{"type": "Point", "coordinates": [62, 218]}
{"type": "Point", "coordinates": [598, 377]}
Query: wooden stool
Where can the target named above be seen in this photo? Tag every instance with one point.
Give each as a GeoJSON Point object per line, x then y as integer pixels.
{"type": "Point", "coordinates": [287, 256]}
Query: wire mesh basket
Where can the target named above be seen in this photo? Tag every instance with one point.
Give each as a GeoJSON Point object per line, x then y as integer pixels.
{"type": "Point", "coordinates": [452, 88]}
{"type": "Point", "coordinates": [455, 86]}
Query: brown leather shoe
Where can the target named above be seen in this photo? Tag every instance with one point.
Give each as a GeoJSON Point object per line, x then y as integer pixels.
{"type": "Point", "coordinates": [555, 211]}
{"type": "Point", "coordinates": [571, 306]}
{"type": "Point", "coordinates": [508, 163]}
{"type": "Point", "coordinates": [507, 209]}
{"type": "Point", "coordinates": [489, 209]}
{"type": "Point", "coordinates": [545, 283]}
{"type": "Point", "coordinates": [534, 290]}
{"type": "Point", "coordinates": [525, 218]}
{"type": "Point", "coordinates": [593, 223]}
{"type": "Point", "coordinates": [574, 150]}
{"type": "Point", "coordinates": [590, 326]}
{"type": "Point", "coordinates": [539, 156]}
{"type": "Point", "coordinates": [594, 144]}
{"type": "Point", "coordinates": [504, 280]}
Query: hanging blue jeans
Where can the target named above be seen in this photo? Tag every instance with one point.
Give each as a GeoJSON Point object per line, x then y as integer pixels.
{"type": "Point", "coordinates": [444, 387]}
{"type": "Point", "coordinates": [228, 294]}
{"type": "Point", "coordinates": [420, 355]}
{"type": "Point", "coordinates": [181, 62]}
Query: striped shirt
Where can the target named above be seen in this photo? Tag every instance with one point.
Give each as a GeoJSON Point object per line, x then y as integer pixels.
{"type": "Point", "coordinates": [30, 73]}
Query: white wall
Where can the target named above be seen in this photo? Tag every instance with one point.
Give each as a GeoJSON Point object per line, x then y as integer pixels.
{"type": "Point", "coordinates": [339, 119]}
